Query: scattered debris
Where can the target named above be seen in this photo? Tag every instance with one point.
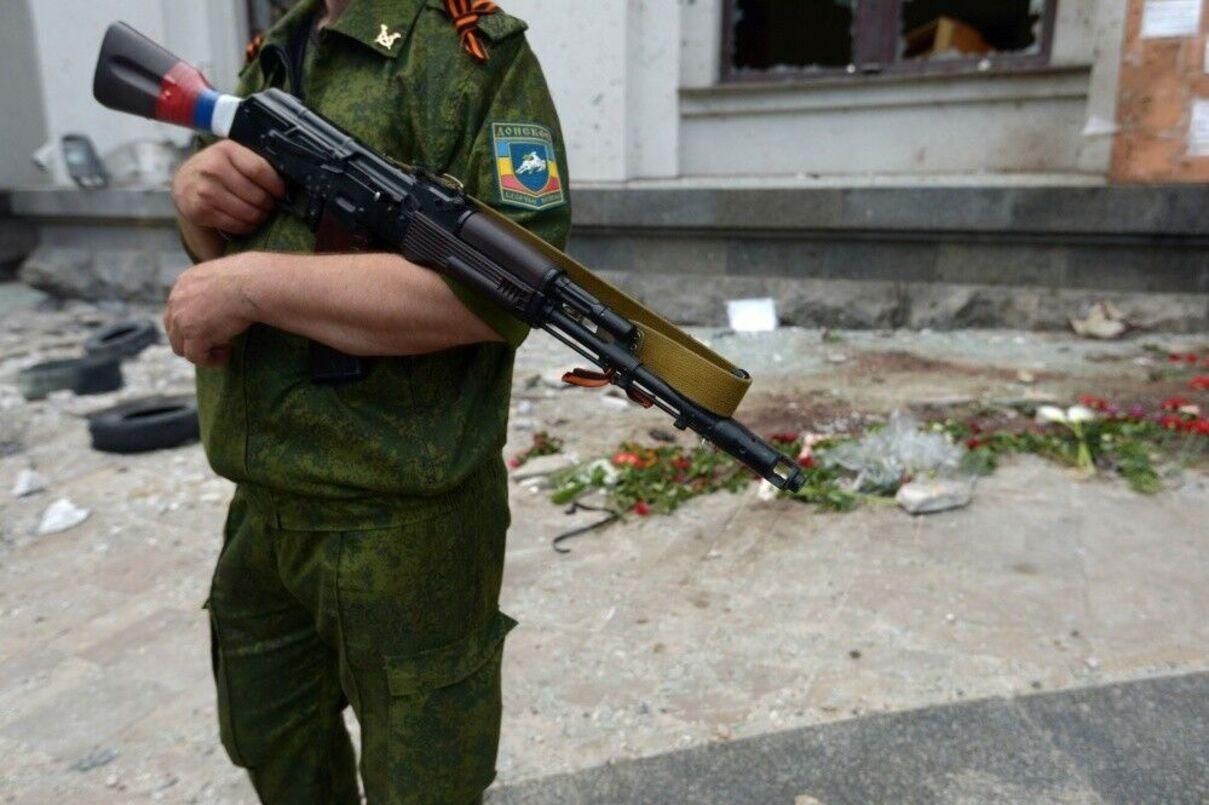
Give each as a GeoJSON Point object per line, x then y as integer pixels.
{"type": "Point", "coordinates": [93, 374]}
{"type": "Point", "coordinates": [576, 507]}
{"type": "Point", "coordinates": [140, 426]}
{"type": "Point", "coordinates": [883, 458]}
{"type": "Point", "coordinates": [543, 445]}
{"type": "Point", "coordinates": [935, 495]}
{"type": "Point", "coordinates": [1104, 321]}
{"type": "Point", "coordinates": [29, 482]}
{"type": "Point", "coordinates": [123, 339]}
{"type": "Point", "coordinates": [62, 515]}
{"type": "Point", "coordinates": [543, 466]}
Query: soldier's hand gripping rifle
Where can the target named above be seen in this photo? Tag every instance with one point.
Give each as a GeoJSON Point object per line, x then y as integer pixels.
{"type": "Point", "coordinates": [430, 221]}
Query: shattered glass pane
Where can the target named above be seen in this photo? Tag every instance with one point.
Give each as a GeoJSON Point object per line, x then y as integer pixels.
{"type": "Point", "coordinates": [956, 29]}
{"type": "Point", "coordinates": [772, 35]}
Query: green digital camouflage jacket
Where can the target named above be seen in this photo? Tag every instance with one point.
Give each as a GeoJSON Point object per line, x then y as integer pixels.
{"type": "Point", "coordinates": [394, 73]}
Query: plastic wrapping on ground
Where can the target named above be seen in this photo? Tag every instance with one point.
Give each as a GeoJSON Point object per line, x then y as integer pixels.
{"type": "Point", "coordinates": [882, 459]}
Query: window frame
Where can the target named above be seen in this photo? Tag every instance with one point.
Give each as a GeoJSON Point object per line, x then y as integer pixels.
{"type": "Point", "coordinates": [876, 27]}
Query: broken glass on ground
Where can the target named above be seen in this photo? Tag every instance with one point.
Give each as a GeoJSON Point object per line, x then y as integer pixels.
{"type": "Point", "coordinates": [884, 459]}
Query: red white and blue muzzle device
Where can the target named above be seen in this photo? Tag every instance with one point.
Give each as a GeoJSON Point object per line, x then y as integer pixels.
{"type": "Point", "coordinates": [137, 76]}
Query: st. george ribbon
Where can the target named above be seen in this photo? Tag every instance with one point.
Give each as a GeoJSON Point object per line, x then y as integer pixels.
{"type": "Point", "coordinates": [143, 78]}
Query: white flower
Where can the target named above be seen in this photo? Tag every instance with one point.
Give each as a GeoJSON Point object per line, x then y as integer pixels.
{"type": "Point", "coordinates": [1079, 413]}
{"type": "Point", "coordinates": [1051, 413]}
{"type": "Point", "coordinates": [1075, 415]}
{"type": "Point", "coordinates": [606, 467]}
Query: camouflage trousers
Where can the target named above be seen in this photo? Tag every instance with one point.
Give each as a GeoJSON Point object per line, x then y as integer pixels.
{"type": "Point", "coordinates": [390, 608]}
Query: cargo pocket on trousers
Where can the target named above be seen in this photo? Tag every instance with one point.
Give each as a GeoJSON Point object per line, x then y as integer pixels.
{"type": "Point", "coordinates": [445, 712]}
{"type": "Point", "coordinates": [222, 685]}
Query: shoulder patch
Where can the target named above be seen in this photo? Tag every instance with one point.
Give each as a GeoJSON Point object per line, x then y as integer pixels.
{"type": "Point", "coordinates": [500, 26]}
{"type": "Point", "coordinates": [526, 166]}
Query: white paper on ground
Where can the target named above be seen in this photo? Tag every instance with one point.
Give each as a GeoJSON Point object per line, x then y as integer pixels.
{"type": "Point", "coordinates": [752, 315]}
{"type": "Point", "coordinates": [1164, 18]}
{"type": "Point", "coordinates": [1198, 129]}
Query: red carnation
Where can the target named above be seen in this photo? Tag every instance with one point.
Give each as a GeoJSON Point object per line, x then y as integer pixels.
{"type": "Point", "coordinates": [624, 459]}
{"type": "Point", "coordinates": [1171, 422]}
{"type": "Point", "coordinates": [641, 508]}
{"type": "Point", "coordinates": [1174, 403]}
{"type": "Point", "coordinates": [1199, 383]}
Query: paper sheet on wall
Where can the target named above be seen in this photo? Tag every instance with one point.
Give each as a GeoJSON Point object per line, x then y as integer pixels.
{"type": "Point", "coordinates": [1198, 129]}
{"type": "Point", "coordinates": [1165, 18]}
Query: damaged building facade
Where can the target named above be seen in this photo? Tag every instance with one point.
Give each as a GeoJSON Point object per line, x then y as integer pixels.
{"type": "Point", "coordinates": [870, 163]}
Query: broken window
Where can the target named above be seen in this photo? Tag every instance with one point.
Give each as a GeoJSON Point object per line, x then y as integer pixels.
{"type": "Point", "coordinates": [774, 34]}
{"type": "Point", "coordinates": [788, 38]}
{"type": "Point", "coordinates": [960, 28]}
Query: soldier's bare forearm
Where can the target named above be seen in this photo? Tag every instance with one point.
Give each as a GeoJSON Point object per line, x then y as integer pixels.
{"type": "Point", "coordinates": [361, 304]}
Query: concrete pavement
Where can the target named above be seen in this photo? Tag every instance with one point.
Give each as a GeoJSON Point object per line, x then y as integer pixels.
{"type": "Point", "coordinates": [732, 620]}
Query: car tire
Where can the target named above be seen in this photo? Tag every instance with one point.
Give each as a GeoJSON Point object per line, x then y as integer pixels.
{"type": "Point", "coordinates": [92, 374]}
{"type": "Point", "coordinates": [155, 423]}
{"type": "Point", "coordinates": [123, 339]}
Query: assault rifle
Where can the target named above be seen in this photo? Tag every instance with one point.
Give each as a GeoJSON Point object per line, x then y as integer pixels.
{"type": "Point", "coordinates": [336, 180]}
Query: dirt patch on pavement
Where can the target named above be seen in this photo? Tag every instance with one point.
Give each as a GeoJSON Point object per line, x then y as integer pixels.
{"type": "Point", "coordinates": [816, 411]}
{"type": "Point", "coordinates": [902, 362]}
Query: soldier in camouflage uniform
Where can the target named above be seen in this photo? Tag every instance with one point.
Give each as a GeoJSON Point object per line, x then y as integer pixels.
{"type": "Point", "coordinates": [363, 551]}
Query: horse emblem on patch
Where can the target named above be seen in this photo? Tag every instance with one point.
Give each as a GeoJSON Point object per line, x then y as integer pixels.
{"type": "Point", "coordinates": [527, 166]}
